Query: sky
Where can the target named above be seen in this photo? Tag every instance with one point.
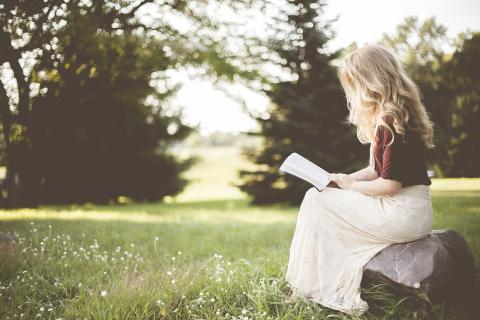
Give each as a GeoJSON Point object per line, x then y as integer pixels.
{"type": "Point", "coordinates": [361, 21]}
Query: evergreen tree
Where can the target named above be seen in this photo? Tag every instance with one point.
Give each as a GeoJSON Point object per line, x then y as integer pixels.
{"type": "Point", "coordinates": [307, 114]}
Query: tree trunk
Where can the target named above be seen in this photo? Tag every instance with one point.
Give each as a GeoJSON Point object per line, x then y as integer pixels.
{"type": "Point", "coordinates": [18, 187]}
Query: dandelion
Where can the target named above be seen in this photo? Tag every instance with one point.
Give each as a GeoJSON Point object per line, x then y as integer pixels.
{"type": "Point", "coordinates": [179, 252]}
{"type": "Point", "coordinates": [103, 293]}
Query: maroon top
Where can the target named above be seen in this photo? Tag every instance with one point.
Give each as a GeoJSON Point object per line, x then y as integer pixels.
{"type": "Point", "coordinates": [401, 161]}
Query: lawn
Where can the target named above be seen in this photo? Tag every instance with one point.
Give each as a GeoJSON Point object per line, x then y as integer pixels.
{"type": "Point", "coordinates": [187, 259]}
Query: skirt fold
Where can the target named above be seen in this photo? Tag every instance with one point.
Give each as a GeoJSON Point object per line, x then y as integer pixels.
{"type": "Point", "coordinates": [338, 232]}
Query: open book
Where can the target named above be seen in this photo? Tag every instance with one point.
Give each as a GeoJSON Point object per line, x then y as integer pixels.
{"type": "Point", "coordinates": [304, 169]}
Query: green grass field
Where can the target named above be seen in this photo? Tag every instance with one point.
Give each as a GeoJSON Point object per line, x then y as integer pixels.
{"type": "Point", "coordinates": [188, 259]}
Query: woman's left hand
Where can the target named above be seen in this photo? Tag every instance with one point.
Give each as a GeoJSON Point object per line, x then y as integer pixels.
{"type": "Point", "coordinates": [343, 180]}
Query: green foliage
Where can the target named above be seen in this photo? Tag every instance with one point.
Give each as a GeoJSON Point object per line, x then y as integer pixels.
{"type": "Point", "coordinates": [461, 78]}
{"type": "Point", "coordinates": [97, 125]}
{"type": "Point", "coordinates": [94, 136]}
{"type": "Point", "coordinates": [308, 113]}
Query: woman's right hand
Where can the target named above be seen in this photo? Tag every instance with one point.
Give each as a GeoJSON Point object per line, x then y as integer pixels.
{"type": "Point", "coordinates": [344, 181]}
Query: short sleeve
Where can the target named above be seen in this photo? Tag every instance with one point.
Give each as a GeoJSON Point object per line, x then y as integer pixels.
{"type": "Point", "coordinates": [392, 163]}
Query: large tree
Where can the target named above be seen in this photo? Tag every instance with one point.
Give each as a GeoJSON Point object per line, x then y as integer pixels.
{"type": "Point", "coordinates": [461, 80]}
{"type": "Point", "coordinates": [308, 111]}
{"type": "Point", "coordinates": [40, 45]}
{"type": "Point", "coordinates": [93, 137]}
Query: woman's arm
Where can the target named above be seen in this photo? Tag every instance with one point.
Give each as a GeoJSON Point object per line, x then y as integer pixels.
{"type": "Point", "coordinates": [365, 174]}
{"type": "Point", "coordinates": [377, 187]}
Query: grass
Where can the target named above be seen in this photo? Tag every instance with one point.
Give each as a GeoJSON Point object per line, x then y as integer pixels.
{"type": "Point", "coordinates": [188, 259]}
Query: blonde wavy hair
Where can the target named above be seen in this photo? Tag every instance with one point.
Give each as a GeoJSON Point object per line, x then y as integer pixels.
{"type": "Point", "coordinates": [377, 87]}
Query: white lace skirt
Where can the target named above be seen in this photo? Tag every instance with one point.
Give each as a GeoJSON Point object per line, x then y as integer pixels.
{"type": "Point", "coordinates": [337, 233]}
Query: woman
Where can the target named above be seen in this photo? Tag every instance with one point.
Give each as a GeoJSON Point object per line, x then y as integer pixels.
{"type": "Point", "coordinates": [340, 229]}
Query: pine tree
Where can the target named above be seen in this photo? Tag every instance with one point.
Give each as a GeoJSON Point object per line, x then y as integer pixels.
{"type": "Point", "coordinates": [307, 114]}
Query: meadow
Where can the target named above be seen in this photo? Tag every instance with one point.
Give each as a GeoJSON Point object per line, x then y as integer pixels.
{"type": "Point", "coordinates": [205, 254]}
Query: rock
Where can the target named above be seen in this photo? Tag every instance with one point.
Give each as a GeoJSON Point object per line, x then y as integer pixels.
{"type": "Point", "coordinates": [438, 268]}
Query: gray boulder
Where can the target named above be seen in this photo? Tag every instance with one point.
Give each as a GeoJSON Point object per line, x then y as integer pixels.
{"type": "Point", "coordinates": [437, 268]}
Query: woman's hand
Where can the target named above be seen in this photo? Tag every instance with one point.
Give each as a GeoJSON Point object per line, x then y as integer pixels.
{"type": "Point", "coordinates": [343, 180]}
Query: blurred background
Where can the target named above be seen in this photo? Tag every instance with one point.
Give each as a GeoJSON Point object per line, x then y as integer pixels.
{"type": "Point", "coordinates": [120, 101]}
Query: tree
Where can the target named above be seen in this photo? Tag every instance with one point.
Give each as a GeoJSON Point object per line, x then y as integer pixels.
{"type": "Point", "coordinates": [93, 137]}
{"type": "Point", "coordinates": [308, 112]}
{"type": "Point", "coordinates": [461, 78]}
{"type": "Point", "coordinates": [38, 36]}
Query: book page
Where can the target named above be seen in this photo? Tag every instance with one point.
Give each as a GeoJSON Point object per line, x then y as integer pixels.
{"type": "Point", "coordinates": [304, 169]}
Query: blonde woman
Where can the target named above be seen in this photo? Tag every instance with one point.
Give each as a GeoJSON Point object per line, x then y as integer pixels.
{"type": "Point", "coordinates": [341, 228]}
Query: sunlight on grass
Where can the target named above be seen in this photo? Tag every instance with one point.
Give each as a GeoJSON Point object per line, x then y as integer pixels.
{"type": "Point", "coordinates": [256, 216]}
{"type": "Point", "coordinates": [462, 187]}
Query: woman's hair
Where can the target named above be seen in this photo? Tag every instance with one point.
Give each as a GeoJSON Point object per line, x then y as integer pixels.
{"type": "Point", "coordinates": [377, 88]}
